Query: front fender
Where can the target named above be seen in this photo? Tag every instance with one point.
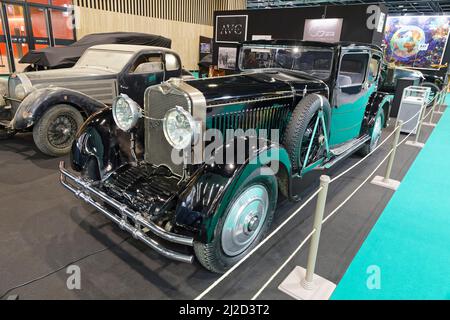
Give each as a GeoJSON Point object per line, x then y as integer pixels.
{"type": "Point", "coordinates": [208, 193]}
{"type": "Point", "coordinates": [38, 102]}
{"type": "Point", "coordinates": [100, 139]}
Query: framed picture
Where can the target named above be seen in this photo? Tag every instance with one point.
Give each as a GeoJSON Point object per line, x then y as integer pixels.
{"type": "Point", "coordinates": [231, 29]}
{"type": "Point", "coordinates": [227, 58]}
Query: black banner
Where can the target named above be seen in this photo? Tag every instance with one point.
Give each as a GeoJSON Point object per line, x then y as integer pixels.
{"type": "Point", "coordinates": [231, 29]}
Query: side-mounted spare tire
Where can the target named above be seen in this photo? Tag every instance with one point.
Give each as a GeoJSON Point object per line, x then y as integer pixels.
{"type": "Point", "coordinates": [300, 129]}
{"type": "Point", "coordinates": [55, 132]}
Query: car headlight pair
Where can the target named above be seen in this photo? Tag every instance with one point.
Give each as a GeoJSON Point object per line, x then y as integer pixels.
{"type": "Point", "coordinates": [180, 128]}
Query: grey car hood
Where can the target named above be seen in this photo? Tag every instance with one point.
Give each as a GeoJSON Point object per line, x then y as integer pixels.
{"type": "Point", "coordinates": [75, 73]}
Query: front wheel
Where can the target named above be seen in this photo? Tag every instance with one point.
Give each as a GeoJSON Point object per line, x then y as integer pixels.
{"type": "Point", "coordinates": [55, 132]}
{"type": "Point", "coordinates": [246, 221]}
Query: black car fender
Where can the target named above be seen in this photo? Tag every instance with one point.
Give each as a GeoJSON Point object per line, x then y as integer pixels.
{"type": "Point", "coordinates": [101, 141]}
{"type": "Point", "coordinates": [39, 101]}
{"type": "Point", "coordinates": [378, 101]}
{"type": "Point", "coordinates": [206, 196]}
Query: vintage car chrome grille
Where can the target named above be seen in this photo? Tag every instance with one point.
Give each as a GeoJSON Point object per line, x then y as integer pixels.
{"type": "Point", "coordinates": [102, 90]}
{"type": "Point", "coordinates": [268, 118]}
{"type": "Point", "coordinates": [159, 100]}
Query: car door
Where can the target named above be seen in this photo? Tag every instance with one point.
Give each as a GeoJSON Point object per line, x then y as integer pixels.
{"type": "Point", "coordinates": [146, 70]}
{"type": "Point", "coordinates": [350, 97]}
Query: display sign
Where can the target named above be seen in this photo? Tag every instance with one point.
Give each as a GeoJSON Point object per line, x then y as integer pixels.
{"type": "Point", "coordinates": [416, 41]}
{"type": "Point", "coordinates": [324, 30]}
{"type": "Point", "coordinates": [231, 29]}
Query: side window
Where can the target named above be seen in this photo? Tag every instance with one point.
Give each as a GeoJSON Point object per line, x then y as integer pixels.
{"type": "Point", "coordinates": [150, 63]}
{"type": "Point", "coordinates": [374, 68]}
{"type": "Point", "coordinates": [353, 69]}
{"type": "Point", "coordinates": [172, 63]}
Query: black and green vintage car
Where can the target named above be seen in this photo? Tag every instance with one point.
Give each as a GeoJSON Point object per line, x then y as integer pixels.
{"type": "Point", "coordinates": [302, 107]}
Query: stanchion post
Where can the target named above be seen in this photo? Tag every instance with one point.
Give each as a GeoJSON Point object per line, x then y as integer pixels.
{"type": "Point", "coordinates": [387, 177]}
{"type": "Point", "coordinates": [419, 129]}
{"type": "Point", "coordinates": [304, 284]}
{"type": "Point", "coordinates": [386, 181]}
{"type": "Point", "coordinates": [308, 282]}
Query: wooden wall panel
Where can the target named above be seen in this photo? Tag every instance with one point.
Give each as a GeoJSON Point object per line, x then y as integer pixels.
{"type": "Point", "coordinates": [193, 11]}
{"type": "Point", "coordinates": [185, 36]}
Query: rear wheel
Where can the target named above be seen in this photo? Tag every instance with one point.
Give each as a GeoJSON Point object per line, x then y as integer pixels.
{"type": "Point", "coordinates": [376, 132]}
{"type": "Point", "coordinates": [434, 92]}
{"type": "Point", "coordinates": [245, 223]}
{"type": "Point", "coordinates": [55, 132]}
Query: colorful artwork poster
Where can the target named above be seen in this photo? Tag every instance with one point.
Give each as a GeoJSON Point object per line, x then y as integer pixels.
{"type": "Point", "coordinates": [416, 41]}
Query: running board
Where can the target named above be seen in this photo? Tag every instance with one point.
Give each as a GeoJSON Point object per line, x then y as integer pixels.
{"type": "Point", "coordinates": [350, 148]}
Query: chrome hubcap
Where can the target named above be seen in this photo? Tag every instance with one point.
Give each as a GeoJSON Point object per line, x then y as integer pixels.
{"type": "Point", "coordinates": [245, 220]}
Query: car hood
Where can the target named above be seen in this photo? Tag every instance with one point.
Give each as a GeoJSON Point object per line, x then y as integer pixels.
{"type": "Point", "coordinates": [69, 74]}
{"type": "Point", "coordinates": [254, 85]}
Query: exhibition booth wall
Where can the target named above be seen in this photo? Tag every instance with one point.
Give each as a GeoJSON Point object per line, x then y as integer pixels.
{"type": "Point", "coordinates": [290, 24]}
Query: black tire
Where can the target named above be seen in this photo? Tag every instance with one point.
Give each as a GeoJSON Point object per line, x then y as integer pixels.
{"type": "Point", "coordinates": [434, 91]}
{"type": "Point", "coordinates": [53, 124]}
{"type": "Point", "coordinates": [304, 114]}
{"type": "Point", "coordinates": [212, 255]}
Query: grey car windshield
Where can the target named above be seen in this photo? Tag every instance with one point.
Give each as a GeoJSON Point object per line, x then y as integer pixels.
{"type": "Point", "coordinates": [314, 61]}
{"type": "Point", "coordinates": [105, 59]}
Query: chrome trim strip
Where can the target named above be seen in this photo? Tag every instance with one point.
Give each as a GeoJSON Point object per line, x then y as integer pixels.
{"type": "Point", "coordinates": [252, 100]}
{"type": "Point", "coordinates": [84, 188]}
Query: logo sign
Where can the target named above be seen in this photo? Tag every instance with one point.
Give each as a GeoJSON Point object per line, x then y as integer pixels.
{"type": "Point", "coordinates": [324, 30]}
{"type": "Point", "coordinates": [231, 29]}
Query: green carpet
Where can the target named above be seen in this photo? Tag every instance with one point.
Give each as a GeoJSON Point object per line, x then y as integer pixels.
{"type": "Point", "coordinates": [407, 254]}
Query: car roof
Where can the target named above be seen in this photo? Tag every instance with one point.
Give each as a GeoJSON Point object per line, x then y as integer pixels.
{"type": "Point", "coordinates": [343, 44]}
{"type": "Point", "coordinates": [130, 48]}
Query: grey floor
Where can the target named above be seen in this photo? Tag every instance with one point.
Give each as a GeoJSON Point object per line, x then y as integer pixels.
{"type": "Point", "coordinates": [43, 228]}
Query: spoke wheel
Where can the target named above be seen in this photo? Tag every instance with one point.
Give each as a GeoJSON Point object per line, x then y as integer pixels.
{"type": "Point", "coordinates": [62, 131]}
{"type": "Point", "coordinates": [55, 132]}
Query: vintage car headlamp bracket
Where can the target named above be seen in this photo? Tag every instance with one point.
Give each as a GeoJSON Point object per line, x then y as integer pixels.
{"type": "Point", "coordinates": [193, 127]}
{"type": "Point", "coordinates": [133, 114]}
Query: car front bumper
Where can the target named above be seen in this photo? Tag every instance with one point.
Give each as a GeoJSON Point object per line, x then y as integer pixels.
{"type": "Point", "coordinates": [127, 219]}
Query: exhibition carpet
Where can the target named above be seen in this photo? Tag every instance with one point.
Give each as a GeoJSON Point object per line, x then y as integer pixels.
{"type": "Point", "coordinates": [407, 254]}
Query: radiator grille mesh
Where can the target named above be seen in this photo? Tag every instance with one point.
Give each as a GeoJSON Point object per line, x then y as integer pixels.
{"type": "Point", "coordinates": [266, 118]}
{"type": "Point", "coordinates": [158, 101]}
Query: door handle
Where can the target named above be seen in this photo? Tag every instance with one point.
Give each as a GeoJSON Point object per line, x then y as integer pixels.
{"type": "Point", "coordinates": [124, 87]}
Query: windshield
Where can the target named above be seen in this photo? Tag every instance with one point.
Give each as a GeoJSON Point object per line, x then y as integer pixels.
{"type": "Point", "coordinates": [314, 61]}
{"type": "Point", "coordinates": [107, 59]}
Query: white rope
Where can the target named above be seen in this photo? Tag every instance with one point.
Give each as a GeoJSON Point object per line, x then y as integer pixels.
{"type": "Point", "coordinates": [256, 296]}
{"type": "Point", "coordinates": [218, 281]}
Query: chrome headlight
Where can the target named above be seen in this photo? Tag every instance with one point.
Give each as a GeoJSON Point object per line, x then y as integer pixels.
{"type": "Point", "coordinates": [180, 128]}
{"type": "Point", "coordinates": [20, 93]}
{"type": "Point", "coordinates": [126, 112]}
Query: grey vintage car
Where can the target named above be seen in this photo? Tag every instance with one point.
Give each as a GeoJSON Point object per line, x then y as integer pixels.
{"type": "Point", "coordinates": [53, 104]}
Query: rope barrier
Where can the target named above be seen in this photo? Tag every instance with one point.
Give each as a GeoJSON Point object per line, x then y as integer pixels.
{"type": "Point", "coordinates": [218, 281]}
